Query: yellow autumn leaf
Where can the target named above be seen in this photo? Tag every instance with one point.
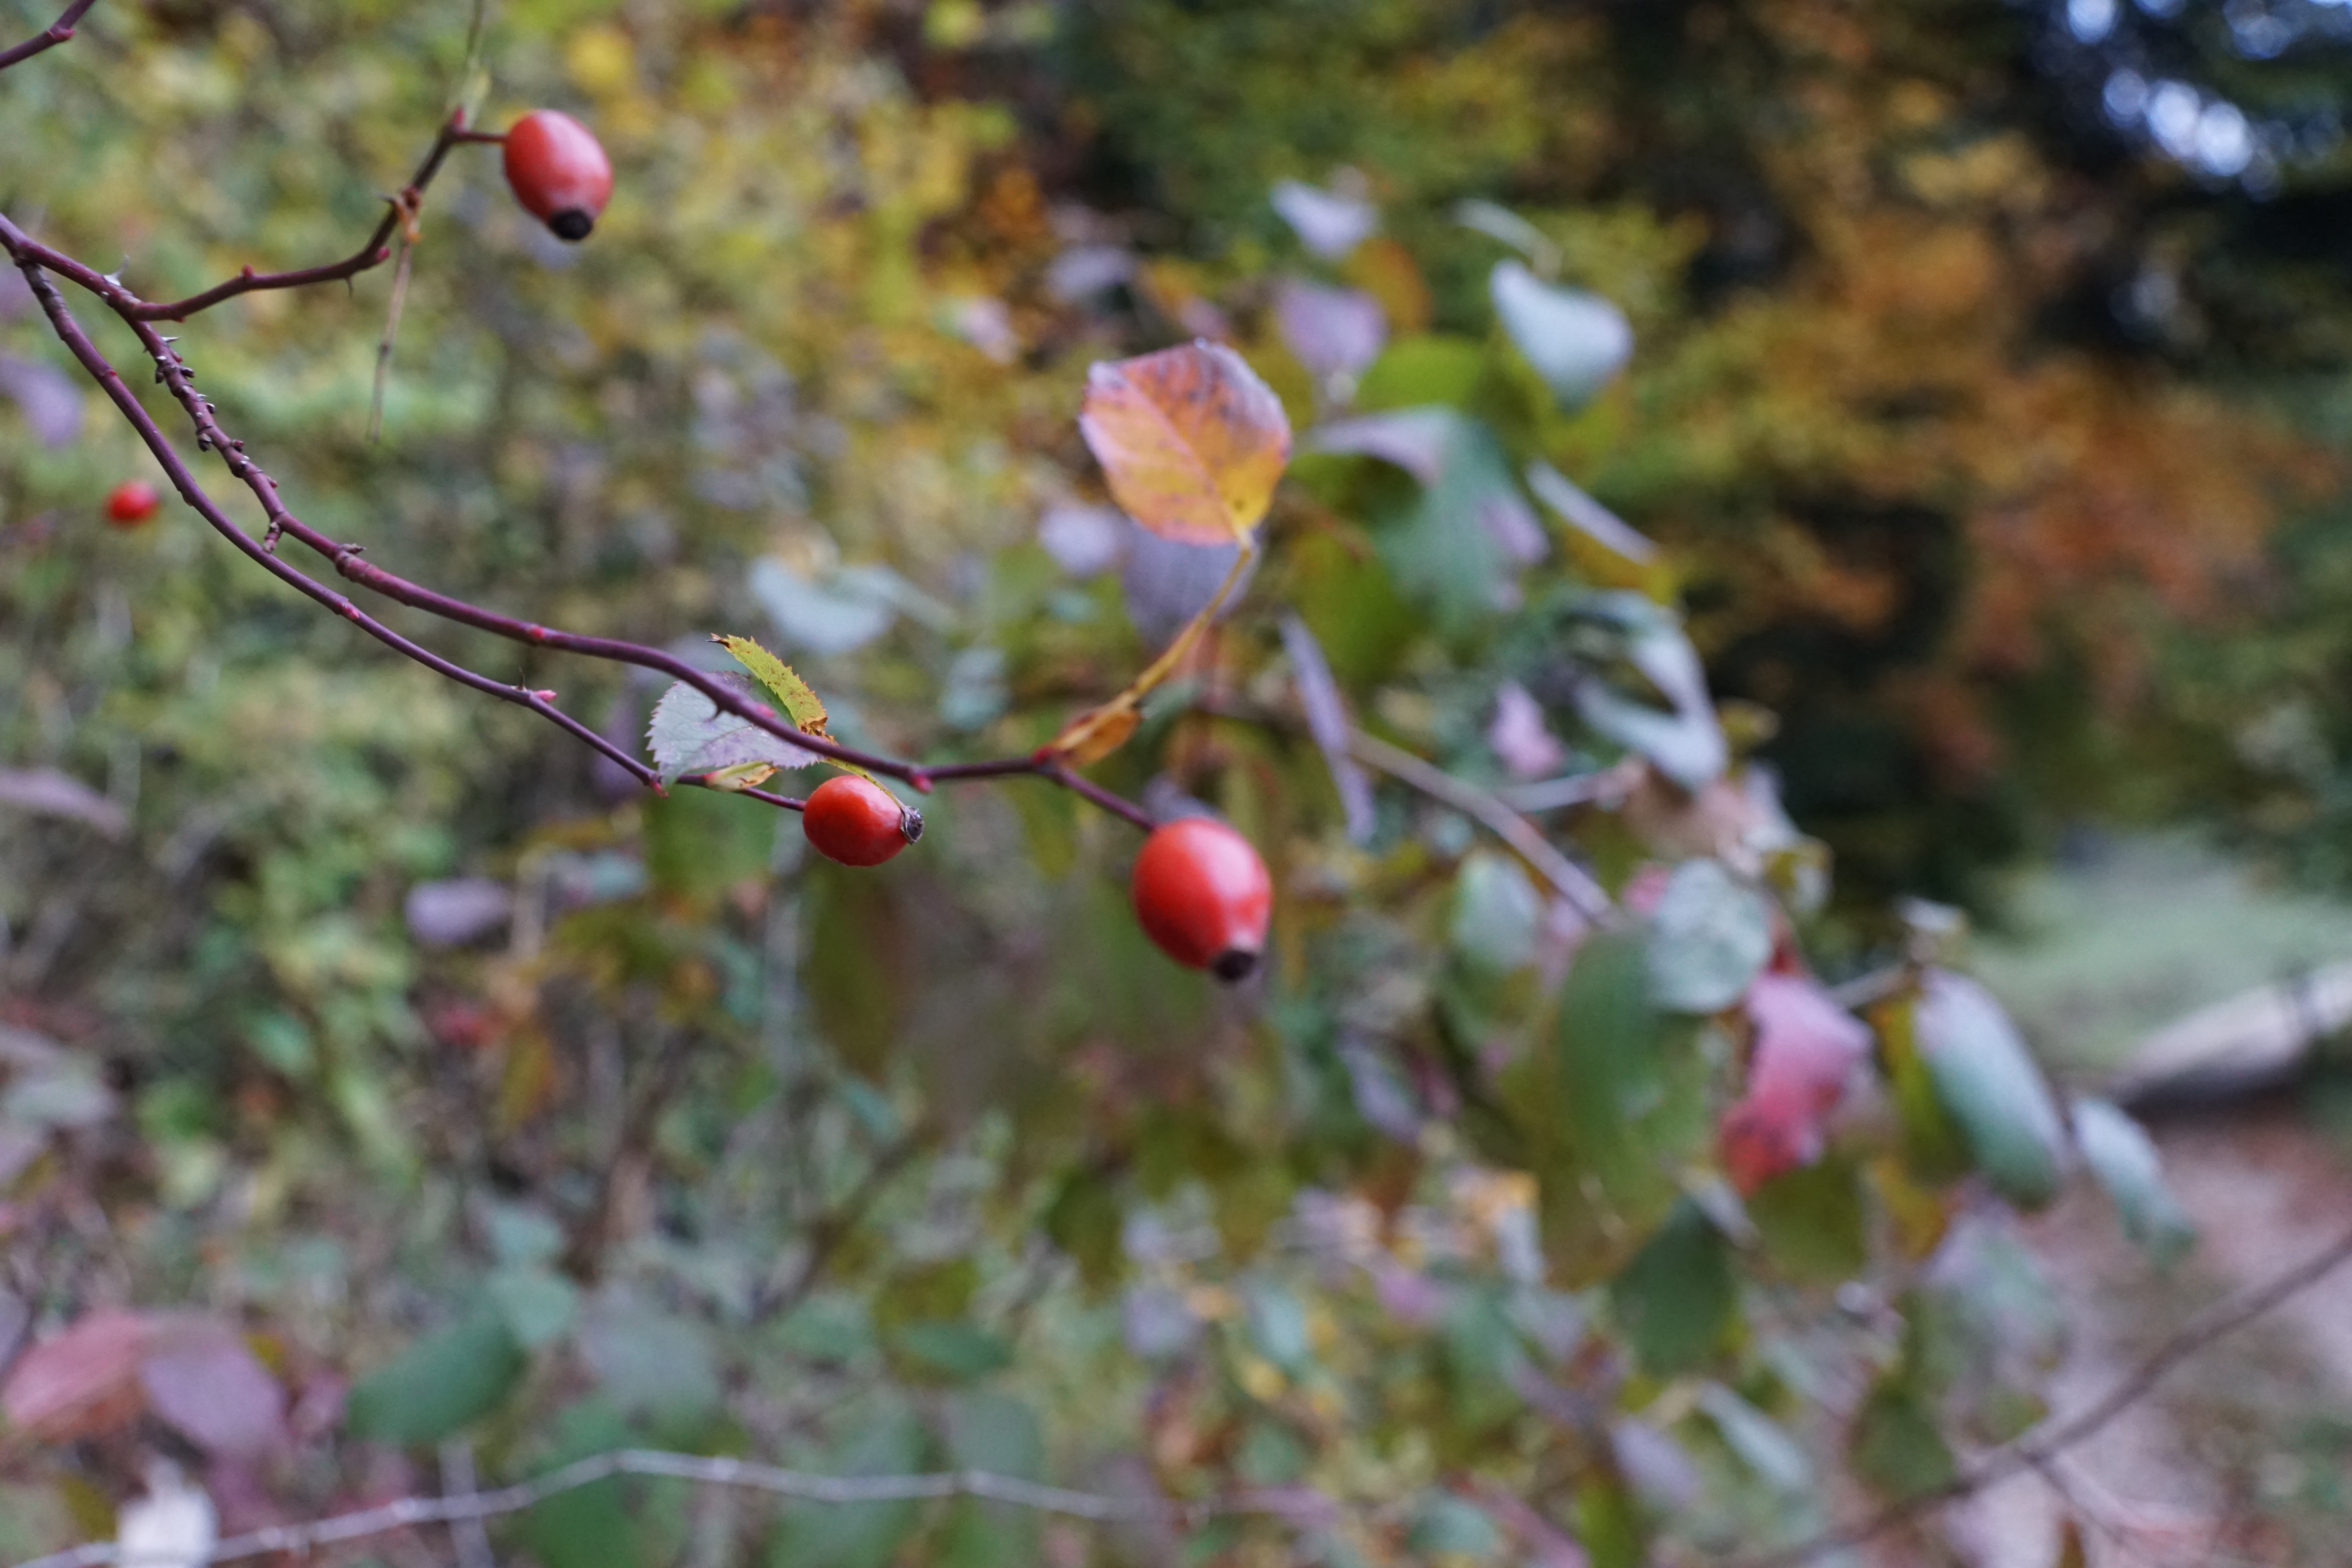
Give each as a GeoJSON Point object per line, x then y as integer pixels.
{"type": "Point", "coordinates": [1192, 441]}
{"type": "Point", "coordinates": [1099, 731]}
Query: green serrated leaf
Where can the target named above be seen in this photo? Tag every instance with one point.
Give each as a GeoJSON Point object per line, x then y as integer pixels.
{"type": "Point", "coordinates": [441, 1385]}
{"type": "Point", "coordinates": [692, 734]}
{"type": "Point", "coordinates": [792, 694]}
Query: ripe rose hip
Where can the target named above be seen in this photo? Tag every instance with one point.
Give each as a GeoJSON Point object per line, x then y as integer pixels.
{"type": "Point", "coordinates": [1203, 896]}
{"type": "Point", "coordinates": [131, 503]}
{"type": "Point", "coordinates": [558, 172]}
{"type": "Point", "coordinates": [857, 822]}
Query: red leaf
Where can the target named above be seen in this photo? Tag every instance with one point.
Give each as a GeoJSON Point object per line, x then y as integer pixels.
{"type": "Point", "coordinates": [1806, 1049]}
{"type": "Point", "coordinates": [78, 1383]}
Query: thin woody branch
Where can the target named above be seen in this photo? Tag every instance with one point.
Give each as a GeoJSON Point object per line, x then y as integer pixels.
{"type": "Point", "coordinates": [348, 561]}
{"type": "Point", "coordinates": [2037, 1449]}
{"type": "Point", "coordinates": [110, 379]}
{"type": "Point", "coordinates": [409, 1513]}
{"type": "Point", "coordinates": [50, 38]}
{"type": "Point", "coordinates": [371, 254]}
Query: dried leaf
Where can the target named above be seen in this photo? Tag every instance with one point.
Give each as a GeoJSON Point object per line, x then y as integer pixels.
{"type": "Point", "coordinates": [1190, 440]}
{"type": "Point", "coordinates": [78, 1383]}
{"type": "Point", "coordinates": [1099, 731]}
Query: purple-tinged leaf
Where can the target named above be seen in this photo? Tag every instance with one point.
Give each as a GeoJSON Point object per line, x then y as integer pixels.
{"type": "Point", "coordinates": [454, 912]}
{"type": "Point", "coordinates": [1588, 517]}
{"type": "Point", "coordinates": [1167, 583]}
{"type": "Point", "coordinates": [1085, 270]}
{"type": "Point", "coordinates": [1084, 540]}
{"type": "Point", "coordinates": [1335, 333]}
{"type": "Point", "coordinates": [80, 1382]}
{"type": "Point", "coordinates": [47, 397]}
{"type": "Point", "coordinates": [1577, 342]}
{"type": "Point", "coordinates": [1520, 736]}
{"type": "Point", "coordinates": [1328, 222]}
{"type": "Point", "coordinates": [1327, 721]}
{"type": "Point", "coordinates": [203, 1382]}
{"type": "Point", "coordinates": [1418, 440]}
{"type": "Point", "coordinates": [1511, 523]}
{"type": "Point", "coordinates": [48, 792]}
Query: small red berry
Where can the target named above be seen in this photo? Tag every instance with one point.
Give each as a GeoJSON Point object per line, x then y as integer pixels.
{"type": "Point", "coordinates": [857, 822]}
{"type": "Point", "coordinates": [131, 503]}
{"type": "Point", "coordinates": [1203, 896]}
{"type": "Point", "coordinates": [558, 172]}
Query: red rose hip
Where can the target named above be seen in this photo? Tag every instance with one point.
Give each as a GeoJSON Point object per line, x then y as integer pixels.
{"type": "Point", "coordinates": [131, 503]}
{"type": "Point", "coordinates": [857, 822]}
{"type": "Point", "coordinates": [1203, 896]}
{"type": "Point", "coordinates": [558, 172]}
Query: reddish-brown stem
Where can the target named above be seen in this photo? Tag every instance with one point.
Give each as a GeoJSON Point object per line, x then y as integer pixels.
{"type": "Point", "coordinates": [109, 381]}
{"type": "Point", "coordinates": [373, 253]}
{"type": "Point", "coordinates": [56, 33]}
{"type": "Point", "coordinates": [34, 260]}
{"type": "Point", "coordinates": [1117, 806]}
{"type": "Point", "coordinates": [783, 802]}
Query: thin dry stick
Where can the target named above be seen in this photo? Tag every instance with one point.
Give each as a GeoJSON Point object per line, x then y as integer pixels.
{"type": "Point", "coordinates": [1567, 879]}
{"type": "Point", "coordinates": [408, 1513]}
{"type": "Point", "coordinates": [2037, 1449]}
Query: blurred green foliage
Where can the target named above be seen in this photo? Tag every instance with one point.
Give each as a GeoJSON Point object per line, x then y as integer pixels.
{"type": "Point", "coordinates": [691, 1141]}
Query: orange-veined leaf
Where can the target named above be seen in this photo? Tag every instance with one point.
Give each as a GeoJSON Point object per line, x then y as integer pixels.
{"type": "Point", "coordinates": [1192, 441]}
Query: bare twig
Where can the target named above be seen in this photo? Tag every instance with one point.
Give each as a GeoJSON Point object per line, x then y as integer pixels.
{"type": "Point", "coordinates": [1569, 879]}
{"type": "Point", "coordinates": [35, 259]}
{"type": "Point", "coordinates": [407, 1514]}
{"type": "Point", "coordinates": [373, 253]}
{"type": "Point", "coordinates": [50, 38]}
{"type": "Point", "coordinates": [111, 381]}
{"type": "Point", "coordinates": [2036, 1450]}
{"type": "Point", "coordinates": [1600, 784]}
